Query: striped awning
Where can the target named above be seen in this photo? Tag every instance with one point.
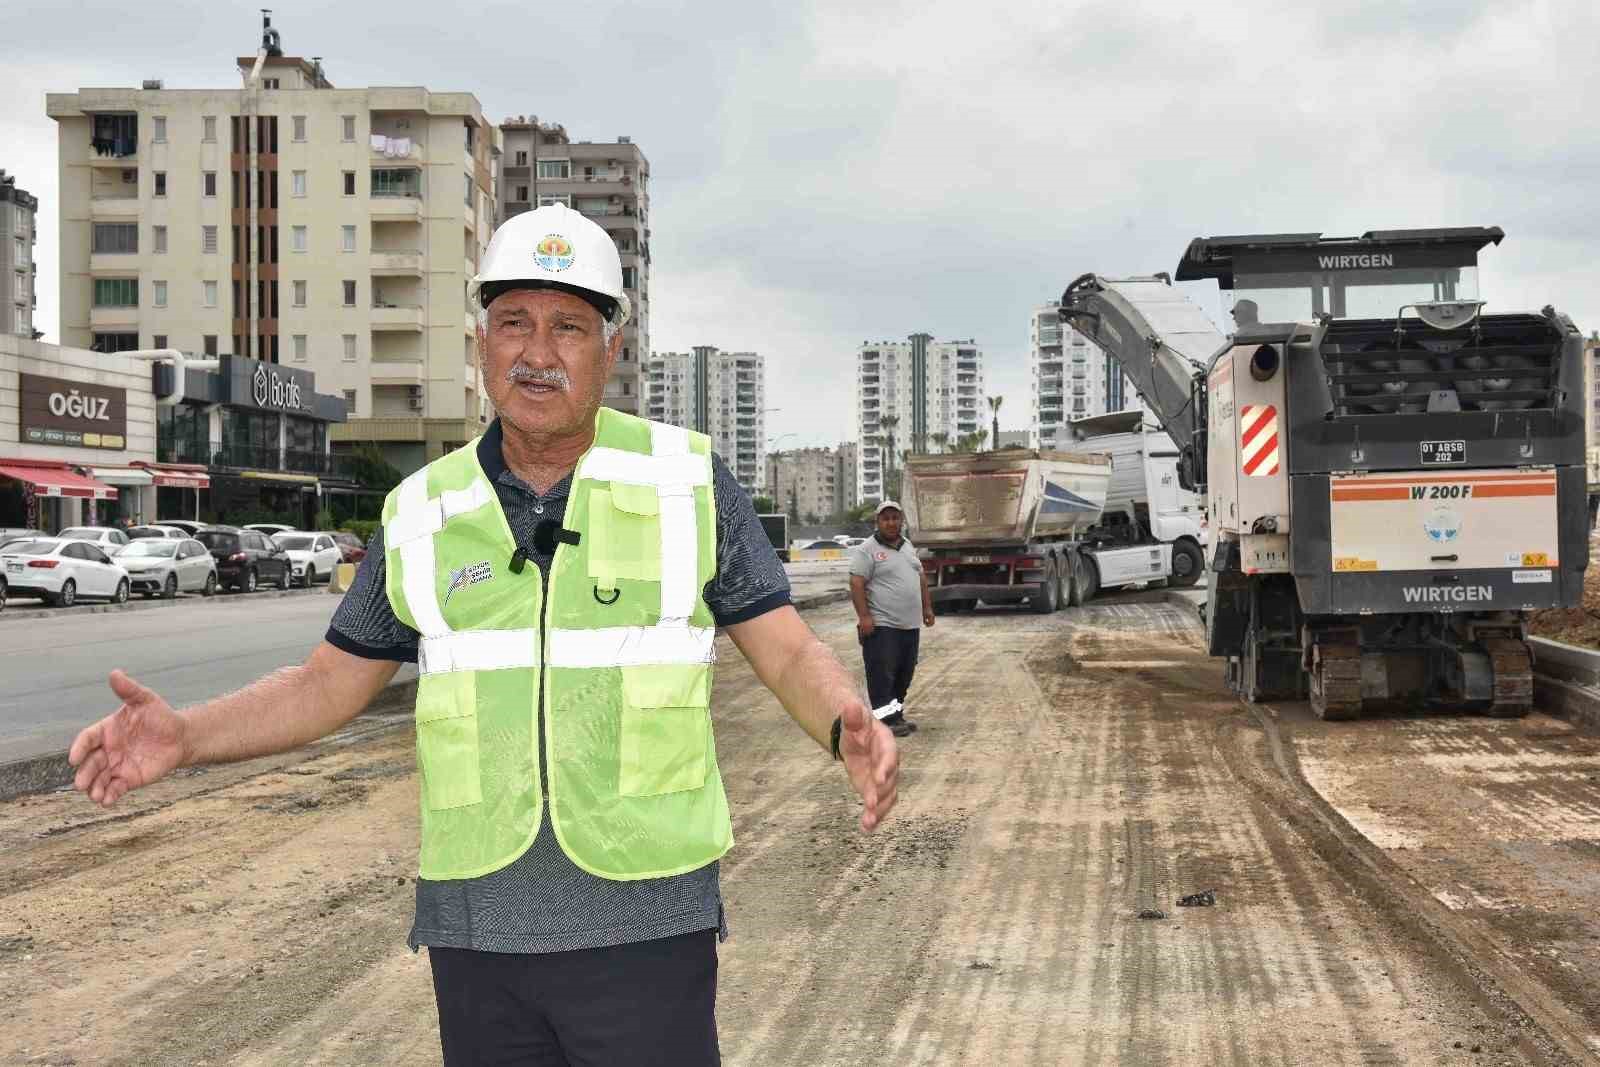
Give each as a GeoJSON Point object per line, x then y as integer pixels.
{"type": "Point", "coordinates": [56, 480]}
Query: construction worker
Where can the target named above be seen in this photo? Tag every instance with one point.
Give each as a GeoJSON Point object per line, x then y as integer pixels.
{"type": "Point", "coordinates": [559, 583]}
{"type": "Point", "coordinates": [890, 593]}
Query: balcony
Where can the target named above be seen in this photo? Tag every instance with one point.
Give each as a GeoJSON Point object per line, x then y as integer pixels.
{"type": "Point", "coordinates": [398, 372]}
{"type": "Point", "coordinates": [396, 264]}
{"type": "Point", "coordinates": [396, 207]}
{"type": "Point", "coordinates": [114, 264]}
{"type": "Point", "coordinates": [113, 316]}
{"type": "Point", "coordinates": [113, 208]}
{"type": "Point", "coordinates": [406, 317]}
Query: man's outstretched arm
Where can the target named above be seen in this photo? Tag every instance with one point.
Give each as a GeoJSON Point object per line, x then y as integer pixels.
{"type": "Point", "coordinates": [146, 738]}
{"type": "Point", "coordinates": [814, 688]}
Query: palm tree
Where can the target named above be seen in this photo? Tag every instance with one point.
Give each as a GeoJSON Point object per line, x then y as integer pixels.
{"type": "Point", "coordinates": [994, 409]}
{"type": "Point", "coordinates": [941, 441]}
{"type": "Point", "coordinates": [888, 423]}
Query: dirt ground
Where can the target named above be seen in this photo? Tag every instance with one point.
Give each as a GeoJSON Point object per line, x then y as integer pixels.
{"type": "Point", "coordinates": [1073, 772]}
{"type": "Point", "coordinates": [1575, 626]}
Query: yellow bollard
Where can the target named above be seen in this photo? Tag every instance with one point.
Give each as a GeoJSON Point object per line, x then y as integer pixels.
{"type": "Point", "coordinates": [344, 576]}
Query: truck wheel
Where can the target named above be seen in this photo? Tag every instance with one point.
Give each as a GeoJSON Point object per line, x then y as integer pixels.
{"type": "Point", "coordinates": [1187, 563]}
{"type": "Point", "coordinates": [1064, 583]}
{"type": "Point", "coordinates": [1043, 600]}
{"type": "Point", "coordinates": [1089, 579]}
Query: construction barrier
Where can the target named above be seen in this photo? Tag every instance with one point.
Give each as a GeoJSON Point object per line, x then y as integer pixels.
{"type": "Point", "coordinates": [343, 577]}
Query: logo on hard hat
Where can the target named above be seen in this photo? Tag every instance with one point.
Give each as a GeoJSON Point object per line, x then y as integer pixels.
{"type": "Point", "coordinates": [553, 253]}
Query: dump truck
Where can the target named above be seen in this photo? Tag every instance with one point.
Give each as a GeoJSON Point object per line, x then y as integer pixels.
{"type": "Point", "coordinates": [1145, 502]}
{"type": "Point", "coordinates": [1014, 526]}
{"type": "Point", "coordinates": [1394, 476]}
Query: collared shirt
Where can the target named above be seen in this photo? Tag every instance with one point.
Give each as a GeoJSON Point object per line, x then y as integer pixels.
{"type": "Point", "coordinates": [894, 581]}
{"type": "Point", "coordinates": [542, 901]}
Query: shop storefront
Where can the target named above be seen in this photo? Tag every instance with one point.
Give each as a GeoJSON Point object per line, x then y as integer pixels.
{"type": "Point", "coordinates": [77, 431]}
{"type": "Point", "coordinates": [257, 435]}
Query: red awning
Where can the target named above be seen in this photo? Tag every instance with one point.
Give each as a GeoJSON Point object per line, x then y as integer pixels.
{"type": "Point", "coordinates": [178, 478]}
{"type": "Point", "coordinates": [57, 481]}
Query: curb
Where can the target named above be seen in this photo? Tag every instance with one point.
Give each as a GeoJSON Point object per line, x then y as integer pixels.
{"type": "Point", "coordinates": [142, 605]}
{"type": "Point", "coordinates": [41, 774]}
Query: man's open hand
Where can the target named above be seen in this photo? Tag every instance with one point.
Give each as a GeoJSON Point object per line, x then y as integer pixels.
{"type": "Point", "coordinates": [132, 747]}
{"type": "Point", "coordinates": [872, 760]}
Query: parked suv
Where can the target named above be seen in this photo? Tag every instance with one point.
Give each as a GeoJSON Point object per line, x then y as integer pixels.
{"type": "Point", "coordinates": [245, 558]}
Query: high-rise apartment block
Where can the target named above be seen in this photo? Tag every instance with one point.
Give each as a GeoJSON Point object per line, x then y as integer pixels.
{"type": "Point", "coordinates": [1072, 377]}
{"type": "Point", "coordinates": [917, 395]}
{"type": "Point", "coordinates": [812, 484]}
{"type": "Point", "coordinates": [18, 273]}
{"type": "Point", "coordinates": [292, 222]}
{"type": "Point", "coordinates": [609, 182]}
{"type": "Point", "coordinates": [720, 394]}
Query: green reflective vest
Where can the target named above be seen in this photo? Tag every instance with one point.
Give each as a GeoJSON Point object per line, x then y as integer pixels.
{"type": "Point", "coordinates": [622, 644]}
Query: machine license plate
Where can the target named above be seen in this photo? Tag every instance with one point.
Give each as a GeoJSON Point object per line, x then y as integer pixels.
{"type": "Point", "coordinates": [974, 559]}
{"type": "Point", "coordinates": [1443, 453]}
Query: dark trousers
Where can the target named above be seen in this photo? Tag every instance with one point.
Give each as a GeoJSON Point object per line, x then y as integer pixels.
{"type": "Point", "coordinates": [891, 659]}
{"type": "Point", "coordinates": [648, 1004]}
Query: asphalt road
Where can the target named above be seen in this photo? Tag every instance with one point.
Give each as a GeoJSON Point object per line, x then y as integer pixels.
{"type": "Point", "coordinates": [53, 670]}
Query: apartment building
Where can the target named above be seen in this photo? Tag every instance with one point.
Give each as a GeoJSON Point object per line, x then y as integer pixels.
{"type": "Point", "coordinates": [609, 182]}
{"type": "Point", "coordinates": [917, 395]}
{"type": "Point", "coordinates": [1071, 377]}
{"type": "Point", "coordinates": [289, 221]}
{"type": "Point", "coordinates": [720, 394]}
{"type": "Point", "coordinates": [19, 211]}
{"type": "Point", "coordinates": [812, 484]}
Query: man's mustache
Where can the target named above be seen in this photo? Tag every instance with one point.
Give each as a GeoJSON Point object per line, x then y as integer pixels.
{"type": "Point", "coordinates": [554, 376]}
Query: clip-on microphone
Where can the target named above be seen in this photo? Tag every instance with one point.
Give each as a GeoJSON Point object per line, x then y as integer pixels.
{"type": "Point", "coordinates": [545, 537]}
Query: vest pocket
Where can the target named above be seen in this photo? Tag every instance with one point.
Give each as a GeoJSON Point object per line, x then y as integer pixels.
{"type": "Point", "coordinates": [665, 733]}
{"type": "Point", "coordinates": [624, 534]}
{"type": "Point", "coordinates": [447, 740]}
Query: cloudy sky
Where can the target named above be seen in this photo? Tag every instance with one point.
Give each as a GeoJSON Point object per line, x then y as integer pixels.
{"type": "Point", "coordinates": [827, 173]}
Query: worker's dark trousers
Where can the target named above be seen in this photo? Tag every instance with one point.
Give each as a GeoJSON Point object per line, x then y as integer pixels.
{"type": "Point", "coordinates": [648, 1004]}
{"type": "Point", "coordinates": [891, 659]}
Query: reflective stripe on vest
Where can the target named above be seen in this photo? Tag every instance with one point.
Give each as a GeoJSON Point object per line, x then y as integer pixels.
{"type": "Point", "coordinates": [632, 764]}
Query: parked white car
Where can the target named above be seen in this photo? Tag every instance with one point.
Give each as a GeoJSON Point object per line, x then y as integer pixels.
{"type": "Point", "coordinates": [107, 537]}
{"type": "Point", "coordinates": [61, 572]}
{"type": "Point", "coordinates": [168, 566]}
{"type": "Point", "coordinates": [312, 556]}
{"type": "Point", "coordinates": [156, 530]}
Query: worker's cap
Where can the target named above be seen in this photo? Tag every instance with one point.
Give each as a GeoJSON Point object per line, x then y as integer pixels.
{"type": "Point", "coordinates": [886, 505]}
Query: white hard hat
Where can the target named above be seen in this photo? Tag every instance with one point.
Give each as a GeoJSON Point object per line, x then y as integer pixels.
{"type": "Point", "coordinates": [886, 505]}
{"type": "Point", "coordinates": [553, 247]}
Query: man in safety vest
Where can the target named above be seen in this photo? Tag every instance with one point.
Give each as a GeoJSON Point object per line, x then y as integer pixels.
{"type": "Point", "coordinates": [559, 583]}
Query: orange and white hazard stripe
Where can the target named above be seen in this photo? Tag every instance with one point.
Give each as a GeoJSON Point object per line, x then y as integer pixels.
{"type": "Point", "coordinates": [1258, 439]}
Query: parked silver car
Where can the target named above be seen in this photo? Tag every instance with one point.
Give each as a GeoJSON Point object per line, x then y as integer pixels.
{"type": "Point", "coordinates": [168, 566]}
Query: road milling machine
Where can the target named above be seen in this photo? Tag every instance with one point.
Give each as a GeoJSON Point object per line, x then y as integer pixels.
{"type": "Point", "coordinates": [1394, 476]}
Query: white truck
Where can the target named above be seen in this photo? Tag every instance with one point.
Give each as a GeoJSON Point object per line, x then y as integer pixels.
{"type": "Point", "coordinates": [1145, 505]}
{"type": "Point", "coordinates": [1019, 525]}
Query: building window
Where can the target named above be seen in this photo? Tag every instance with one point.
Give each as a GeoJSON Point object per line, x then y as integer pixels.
{"type": "Point", "coordinates": [349, 348]}
{"type": "Point", "coordinates": [349, 183]}
{"type": "Point", "coordinates": [298, 123]}
{"type": "Point", "coordinates": [471, 131]}
{"type": "Point", "coordinates": [555, 168]}
{"type": "Point", "coordinates": [160, 298]}
{"type": "Point", "coordinates": [297, 239]}
{"type": "Point", "coordinates": [349, 294]}
{"type": "Point", "coordinates": [467, 187]}
{"type": "Point", "coordinates": [396, 182]}
{"type": "Point", "coordinates": [208, 240]}
{"type": "Point", "coordinates": [628, 278]}
{"type": "Point", "coordinates": [208, 344]}
{"type": "Point", "coordinates": [208, 128]}
{"type": "Point", "coordinates": [350, 401]}
{"type": "Point", "coordinates": [522, 159]}
{"type": "Point", "coordinates": [347, 235]}
{"type": "Point", "coordinates": [297, 183]}
{"type": "Point", "coordinates": [158, 341]}
{"type": "Point", "coordinates": [208, 183]}
{"type": "Point", "coordinates": [116, 237]}
{"type": "Point", "coordinates": [299, 348]}
{"type": "Point", "coordinates": [208, 294]}
{"type": "Point", "coordinates": [116, 292]}
{"type": "Point", "coordinates": [349, 127]}
{"type": "Point", "coordinates": [565, 200]}
{"type": "Point", "coordinates": [522, 194]}
{"type": "Point", "coordinates": [158, 127]}
{"type": "Point", "coordinates": [161, 183]}
{"type": "Point", "coordinates": [114, 342]}
{"type": "Point", "coordinates": [300, 294]}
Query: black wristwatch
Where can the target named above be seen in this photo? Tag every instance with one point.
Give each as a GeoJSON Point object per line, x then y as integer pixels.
{"type": "Point", "coordinates": [833, 736]}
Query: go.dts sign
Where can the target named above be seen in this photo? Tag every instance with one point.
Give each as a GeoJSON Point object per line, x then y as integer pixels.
{"type": "Point", "coordinates": [272, 390]}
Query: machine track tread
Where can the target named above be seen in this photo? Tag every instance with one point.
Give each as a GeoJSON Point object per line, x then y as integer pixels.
{"type": "Point", "coordinates": [1513, 677]}
{"type": "Point", "coordinates": [1336, 682]}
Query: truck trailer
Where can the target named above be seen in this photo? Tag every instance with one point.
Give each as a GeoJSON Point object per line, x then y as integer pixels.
{"type": "Point", "coordinates": [1394, 477]}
